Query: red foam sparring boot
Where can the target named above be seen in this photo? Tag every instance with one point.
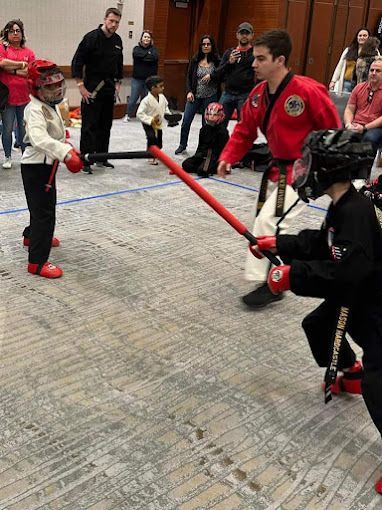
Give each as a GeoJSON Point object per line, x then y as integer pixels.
{"type": "Point", "coordinates": [47, 270]}
{"type": "Point", "coordinates": [55, 242]}
{"type": "Point", "coordinates": [349, 382]}
{"type": "Point", "coordinates": [378, 486]}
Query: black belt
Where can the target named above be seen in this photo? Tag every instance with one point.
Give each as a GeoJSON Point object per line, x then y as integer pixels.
{"type": "Point", "coordinates": [281, 164]}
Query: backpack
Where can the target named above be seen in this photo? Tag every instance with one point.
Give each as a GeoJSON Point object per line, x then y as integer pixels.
{"type": "Point", "coordinates": [4, 94]}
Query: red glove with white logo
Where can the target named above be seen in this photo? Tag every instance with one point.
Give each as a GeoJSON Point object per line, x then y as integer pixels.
{"type": "Point", "coordinates": [73, 162]}
{"type": "Point", "coordinates": [278, 279]}
{"type": "Point", "coordinates": [264, 243]}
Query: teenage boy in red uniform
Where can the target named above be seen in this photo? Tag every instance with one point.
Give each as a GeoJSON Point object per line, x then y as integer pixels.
{"type": "Point", "coordinates": [286, 107]}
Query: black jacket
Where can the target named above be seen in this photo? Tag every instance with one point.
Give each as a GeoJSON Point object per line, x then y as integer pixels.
{"type": "Point", "coordinates": [212, 137]}
{"type": "Point", "coordinates": [342, 261]}
{"type": "Point", "coordinates": [145, 61]}
{"type": "Point", "coordinates": [192, 80]}
{"type": "Point", "coordinates": [238, 78]}
{"type": "Point", "coordinates": [99, 58]}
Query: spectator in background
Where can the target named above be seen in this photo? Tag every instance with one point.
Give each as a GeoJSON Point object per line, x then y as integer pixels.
{"type": "Point", "coordinates": [202, 89]}
{"type": "Point", "coordinates": [145, 64]}
{"type": "Point", "coordinates": [343, 79]}
{"type": "Point", "coordinates": [97, 67]}
{"type": "Point", "coordinates": [14, 59]}
{"type": "Point", "coordinates": [236, 72]}
{"type": "Point", "coordinates": [363, 112]}
{"type": "Point", "coordinates": [366, 56]}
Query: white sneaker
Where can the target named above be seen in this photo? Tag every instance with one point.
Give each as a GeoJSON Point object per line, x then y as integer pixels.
{"type": "Point", "coordinates": [7, 163]}
{"type": "Point", "coordinates": [126, 118]}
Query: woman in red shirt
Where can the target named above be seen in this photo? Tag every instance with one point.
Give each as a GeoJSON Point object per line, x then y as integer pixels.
{"type": "Point", "coordinates": [14, 59]}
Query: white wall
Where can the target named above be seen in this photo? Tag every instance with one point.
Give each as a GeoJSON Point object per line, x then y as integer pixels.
{"type": "Point", "coordinates": [54, 28]}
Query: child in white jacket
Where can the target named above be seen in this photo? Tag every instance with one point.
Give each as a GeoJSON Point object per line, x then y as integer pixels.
{"type": "Point", "coordinates": [152, 110]}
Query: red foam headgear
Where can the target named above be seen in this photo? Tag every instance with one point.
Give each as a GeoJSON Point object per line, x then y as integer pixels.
{"type": "Point", "coordinates": [42, 74]}
{"type": "Point", "coordinates": [214, 114]}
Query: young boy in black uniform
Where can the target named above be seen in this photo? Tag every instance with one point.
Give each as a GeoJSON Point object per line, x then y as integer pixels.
{"type": "Point", "coordinates": [341, 263]}
{"type": "Point", "coordinates": [212, 139]}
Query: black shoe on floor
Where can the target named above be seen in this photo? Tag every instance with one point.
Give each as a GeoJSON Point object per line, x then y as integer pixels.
{"type": "Point", "coordinates": [180, 149]}
{"type": "Point", "coordinates": [261, 297]}
{"type": "Point", "coordinates": [107, 164]}
{"type": "Point", "coordinates": [87, 169]}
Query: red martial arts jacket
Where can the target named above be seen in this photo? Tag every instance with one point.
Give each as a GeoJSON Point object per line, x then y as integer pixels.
{"type": "Point", "coordinates": [303, 106]}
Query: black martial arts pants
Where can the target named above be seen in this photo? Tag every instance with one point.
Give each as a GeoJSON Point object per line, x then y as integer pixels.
{"type": "Point", "coordinates": [97, 119]}
{"type": "Point", "coordinates": [42, 209]}
{"type": "Point", "coordinates": [365, 328]}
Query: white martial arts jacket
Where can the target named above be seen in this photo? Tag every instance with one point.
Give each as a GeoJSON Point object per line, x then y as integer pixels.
{"type": "Point", "coordinates": [149, 107]}
{"type": "Point", "coordinates": [45, 133]}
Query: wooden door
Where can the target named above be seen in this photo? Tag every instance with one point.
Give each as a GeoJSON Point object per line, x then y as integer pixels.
{"type": "Point", "coordinates": [296, 23]}
{"type": "Point", "coordinates": [321, 30]}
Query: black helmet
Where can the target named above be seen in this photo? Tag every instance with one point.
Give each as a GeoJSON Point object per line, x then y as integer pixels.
{"type": "Point", "coordinates": [329, 156]}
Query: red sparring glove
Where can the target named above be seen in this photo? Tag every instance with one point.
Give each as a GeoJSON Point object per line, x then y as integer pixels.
{"type": "Point", "coordinates": [73, 162]}
{"type": "Point", "coordinates": [264, 243]}
{"type": "Point", "coordinates": [278, 279]}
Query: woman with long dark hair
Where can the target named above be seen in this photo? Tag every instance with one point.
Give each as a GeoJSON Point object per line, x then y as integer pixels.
{"type": "Point", "coordinates": [344, 79]}
{"type": "Point", "coordinates": [201, 89]}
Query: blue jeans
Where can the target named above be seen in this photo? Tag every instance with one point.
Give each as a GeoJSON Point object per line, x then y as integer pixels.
{"type": "Point", "coordinates": [138, 90]}
{"type": "Point", "coordinates": [232, 102]}
{"type": "Point", "coordinates": [8, 116]}
{"type": "Point", "coordinates": [190, 110]}
{"type": "Point", "coordinates": [374, 136]}
{"type": "Point", "coordinates": [348, 86]}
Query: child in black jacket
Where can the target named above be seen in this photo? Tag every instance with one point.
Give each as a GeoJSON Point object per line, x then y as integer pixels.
{"type": "Point", "coordinates": [341, 263]}
{"type": "Point", "coordinates": [212, 139]}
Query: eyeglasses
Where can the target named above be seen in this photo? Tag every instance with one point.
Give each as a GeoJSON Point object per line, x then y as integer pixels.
{"type": "Point", "coordinates": [370, 96]}
{"type": "Point", "coordinates": [206, 44]}
{"type": "Point", "coordinates": [245, 32]}
{"type": "Point", "coordinates": [16, 31]}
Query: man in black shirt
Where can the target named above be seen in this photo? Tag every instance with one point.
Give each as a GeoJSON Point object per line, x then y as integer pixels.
{"type": "Point", "coordinates": [97, 67]}
{"type": "Point", "coordinates": [236, 72]}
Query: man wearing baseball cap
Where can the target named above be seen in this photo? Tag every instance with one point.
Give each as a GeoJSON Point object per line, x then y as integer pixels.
{"type": "Point", "coordinates": [236, 71]}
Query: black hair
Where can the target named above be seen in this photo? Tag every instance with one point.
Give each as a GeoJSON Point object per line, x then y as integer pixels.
{"type": "Point", "coordinates": [352, 53]}
{"type": "Point", "coordinates": [370, 48]}
{"type": "Point", "coordinates": [113, 10]}
{"type": "Point", "coordinates": [9, 26]}
{"type": "Point", "coordinates": [278, 43]}
{"type": "Point", "coordinates": [212, 56]}
{"type": "Point", "coordinates": [152, 81]}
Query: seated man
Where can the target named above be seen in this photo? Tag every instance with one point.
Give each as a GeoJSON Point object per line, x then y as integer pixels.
{"type": "Point", "coordinates": [363, 112]}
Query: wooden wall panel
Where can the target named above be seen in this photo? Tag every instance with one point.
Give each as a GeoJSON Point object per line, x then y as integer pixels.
{"type": "Point", "coordinates": [319, 41]}
{"type": "Point", "coordinates": [297, 19]}
{"type": "Point", "coordinates": [262, 14]}
{"type": "Point", "coordinates": [356, 17]}
{"type": "Point", "coordinates": [339, 40]}
{"type": "Point", "coordinates": [207, 17]}
{"type": "Point", "coordinates": [375, 12]}
{"type": "Point", "coordinates": [179, 26]}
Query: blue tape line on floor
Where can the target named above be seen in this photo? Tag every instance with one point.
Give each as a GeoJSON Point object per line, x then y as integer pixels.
{"type": "Point", "coordinates": [143, 188]}
{"type": "Point", "coordinates": [251, 188]}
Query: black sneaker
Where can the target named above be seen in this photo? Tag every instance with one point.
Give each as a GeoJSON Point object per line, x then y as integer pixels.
{"type": "Point", "coordinates": [180, 149]}
{"type": "Point", "coordinates": [261, 297]}
{"type": "Point", "coordinates": [87, 169]}
{"type": "Point", "coordinates": [107, 164]}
